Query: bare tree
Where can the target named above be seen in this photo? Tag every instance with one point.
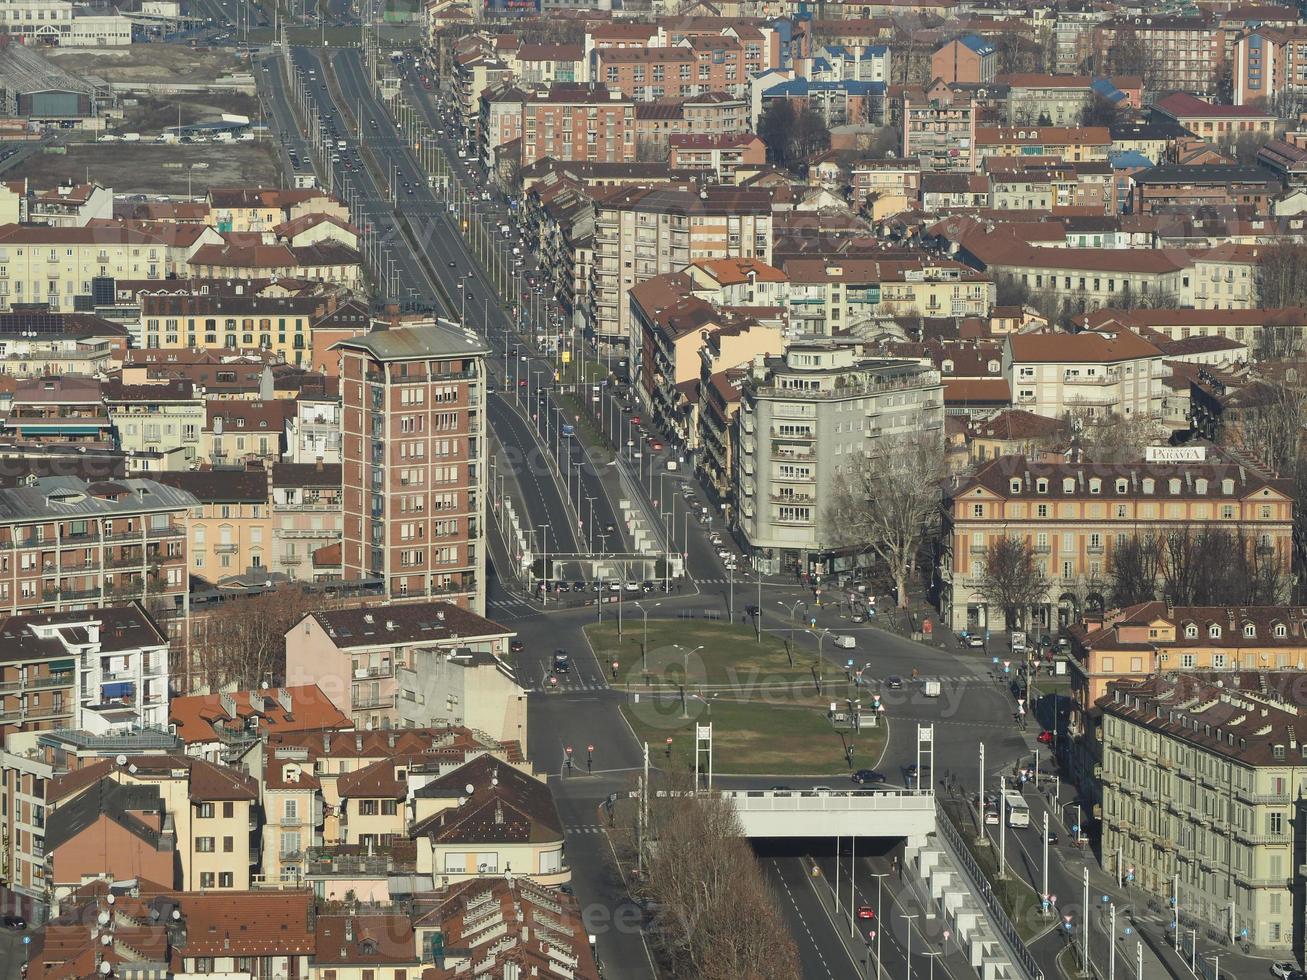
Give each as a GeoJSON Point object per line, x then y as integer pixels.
{"type": "Point", "coordinates": [244, 640]}
{"type": "Point", "coordinates": [1111, 438]}
{"type": "Point", "coordinates": [1013, 578]}
{"type": "Point", "coordinates": [1270, 425]}
{"type": "Point", "coordinates": [1282, 275]}
{"type": "Point", "coordinates": [717, 919]}
{"type": "Point", "coordinates": [889, 504]}
{"type": "Point", "coordinates": [1133, 570]}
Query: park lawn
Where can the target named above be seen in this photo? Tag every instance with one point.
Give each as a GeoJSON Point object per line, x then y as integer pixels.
{"type": "Point", "coordinates": [752, 738]}
{"type": "Point", "coordinates": [731, 654]}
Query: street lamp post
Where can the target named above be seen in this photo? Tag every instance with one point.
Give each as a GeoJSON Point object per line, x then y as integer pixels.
{"type": "Point", "coordinates": [644, 643]}
{"type": "Point", "coordinates": [685, 675]}
{"type": "Point", "coordinates": [907, 959]}
{"type": "Point", "coordinates": [880, 907]}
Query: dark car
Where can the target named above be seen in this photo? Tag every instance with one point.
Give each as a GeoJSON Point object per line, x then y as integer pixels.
{"type": "Point", "coordinates": [16, 922]}
{"type": "Point", "coordinates": [562, 662]}
{"type": "Point", "coordinates": [751, 610]}
{"type": "Point", "coordinates": [894, 682]}
{"type": "Point", "coordinates": [911, 770]}
{"type": "Point", "coordinates": [516, 646]}
{"type": "Point", "coordinates": [863, 776]}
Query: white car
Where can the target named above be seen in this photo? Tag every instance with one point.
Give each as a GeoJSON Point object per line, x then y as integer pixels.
{"type": "Point", "coordinates": [1284, 968]}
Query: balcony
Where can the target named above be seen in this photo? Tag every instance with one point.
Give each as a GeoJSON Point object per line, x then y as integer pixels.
{"type": "Point", "coordinates": [226, 549]}
{"type": "Point", "coordinates": [365, 702]}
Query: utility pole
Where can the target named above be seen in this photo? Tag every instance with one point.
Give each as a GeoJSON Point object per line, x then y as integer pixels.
{"type": "Point", "coordinates": [1111, 942]}
{"type": "Point", "coordinates": [1003, 814]}
{"type": "Point", "coordinates": [1084, 923]}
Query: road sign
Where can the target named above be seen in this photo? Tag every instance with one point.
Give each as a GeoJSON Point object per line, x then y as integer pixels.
{"type": "Point", "coordinates": [589, 748]}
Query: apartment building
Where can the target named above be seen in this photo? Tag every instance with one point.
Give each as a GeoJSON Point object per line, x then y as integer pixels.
{"type": "Point", "coordinates": [1211, 121]}
{"type": "Point", "coordinates": [101, 671]}
{"type": "Point", "coordinates": [650, 231]}
{"type": "Point", "coordinates": [231, 523]}
{"type": "Point", "coordinates": [674, 324]}
{"type": "Point", "coordinates": [317, 429]}
{"type": "Point", "coordinates": [1269, 63]}
{"type": "Point", "coordinates": [354, 655]}
{"type": "Point", "coordinates": [939, 128]}
{"type": "Point", "coordinates": [1134, 643]}
{"type": "Point", "coordinates": [208, 812]}
{"type": "Point", "coordinates": [1277, 329]}
{"type": "Point", "coordinates": [721, 155]}
{"type": "Point", "coordinates": [40, 264]}
{"type": "Point", "coordinates": [413, 457]}
{"type": "Point", "coordinates": [719, 405]}
{"type": "Point", "coordinates": [307, 515]}
{"type": "Point", "coordinates": [969, 59]}
{"type": "Point", "coordinates": [59, 410]}
{"type": "Point", "coordinates": [828, 296]}
{"type": "Point", "coordinates": [238, 431]}
{"type": "Point", "coordinates": [821, 407]}
{"type": "Point", "coordinates": [508, 820]}
{"type": "Point", "coordinates": [39, 342]}
{"type": "Point", "coordinates": [1070, 144]}
{"type": "Point", "coordinates": [578, 122]}
{"type": "Point", "coordinates": [70, 544]}
{"type": "Point", "coordinates": [282, 324]}
{"type": "Point", "coordinates": [163, 417]}
{"type": "Point", "coordinates": [1108, 372]}
{"type": "Point", "coordinates": [1199, 776]}
{"type": "Point", "coordinates": [1187, 51]}
{"type": "Point", "coordinates": [1074, 514]}
{"type": "Point", "coordinates": [1177, 188]}
{"type": "Point", "coordinates": [262, 209]}
{"type": "Point", "coordinates": [885, 186]}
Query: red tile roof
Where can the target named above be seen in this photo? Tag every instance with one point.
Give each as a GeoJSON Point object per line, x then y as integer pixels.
{"type": "Point", "coordinates": [198, 717]}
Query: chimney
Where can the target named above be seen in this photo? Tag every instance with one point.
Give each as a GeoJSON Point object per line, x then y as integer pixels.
{"type": "Point", "coordinates": [358, 742]}
{"type": "Point", "coordinates": [318, 467]}
{"type": "Point", "coordinates": [390, 739]}
{"type": "Point", "coordinates": [349, 930]}
{"type": "Point", "coordinates": [284, 699]}
{"type": "Point", "coordinates": [326, 741]}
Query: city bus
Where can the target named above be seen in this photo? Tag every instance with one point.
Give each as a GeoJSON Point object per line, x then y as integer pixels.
{"type": "Point", "coordinates": [1018, 811]}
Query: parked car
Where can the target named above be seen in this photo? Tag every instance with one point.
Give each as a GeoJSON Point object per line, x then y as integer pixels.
{"type": "Point", "coordinates": [516, 646]}
{"type": "Point", "coordinates": [863, 776]}
{"type": "Point", "coordinates": [975, 640]}
{"type": "Point", "coordinates": [1046, 738]}
{"type": "Point", "coordinates": [1283, 969]}
{"type": "Point", "coordinates": [16, 922]}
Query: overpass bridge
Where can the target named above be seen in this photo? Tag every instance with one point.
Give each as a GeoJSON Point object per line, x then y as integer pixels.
{"type": "Point", "coordinates": [834, 813]}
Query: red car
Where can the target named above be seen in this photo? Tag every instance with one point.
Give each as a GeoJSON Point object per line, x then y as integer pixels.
{"type": "Point", "coordinates": [655, 444]}
{"type": "Point", "coordinates": [635, 420]}
{"type": "Point", "coordinates": [521, 383]}
{"type": "Point", "coordinates": [866, 913]}
{"type": "Point", "coordinates": [1046, 738]}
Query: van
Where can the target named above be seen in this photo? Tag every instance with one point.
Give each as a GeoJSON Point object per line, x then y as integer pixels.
{"type": "Point", "coordinates": [930, 689]}
{"type": "Point", "coordinates": [846, 642]}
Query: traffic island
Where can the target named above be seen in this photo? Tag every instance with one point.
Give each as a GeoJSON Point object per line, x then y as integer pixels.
{"type": "Point", "coordinates": [770, 705]}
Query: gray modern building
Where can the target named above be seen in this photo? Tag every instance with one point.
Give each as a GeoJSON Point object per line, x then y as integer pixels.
{"type": "Point", "coordinates": [823, 407]}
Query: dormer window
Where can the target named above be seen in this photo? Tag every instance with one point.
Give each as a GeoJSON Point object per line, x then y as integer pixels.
{"type": "Point", "coordinates": [946, 366]}
{"type": "Point", "coordinates": [1069, 485]}
{"type": "Point", "coordinates": [1095, 486]}
{"type": "Point", "coordinates": [1249, 630]}
{"type": "Point", "coordinates": [1227, 486]}
{"type": "Point", "coordinates": [1190, 631]}
{"type": "Point", "coordinates": [1016, 486]}
{"type": "Point", "coordinates": [1148, 484]}
{"type": "Point", "coordinates": [1214, 632]}
{"type": "Point", "coordinates": [1122, 486]}
{"type": "Point", "coordinates": [1200, 486]}
{"type": "Point", "coordinates": [1174, 487]}
{"type": "Point", "coordinates": [1281, 631]}
{"type": "Point", "coordinates": [1041, 486]}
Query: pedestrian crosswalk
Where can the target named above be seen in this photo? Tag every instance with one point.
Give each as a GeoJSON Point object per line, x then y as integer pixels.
{"type": "Point", "coordinates": [566, 685]}
{"type": "Point", "coordinates": [584, 828]}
